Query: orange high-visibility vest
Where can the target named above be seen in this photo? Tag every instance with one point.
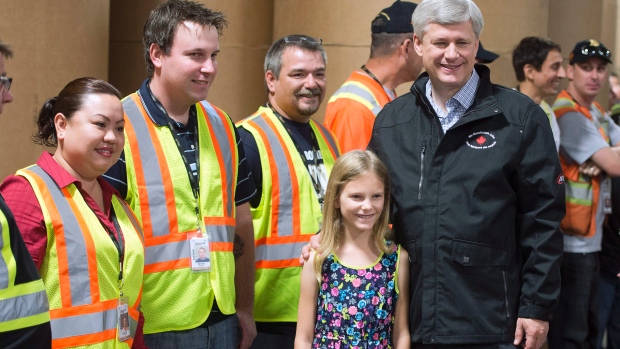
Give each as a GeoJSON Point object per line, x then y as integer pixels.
{"type": "Point", "coordinates": [289, 213]}
{"type": "Point", "coordinates": [160, 192]}
{"type": "Point", "coordinates": [352, 109]}
{"type": "Point", "coordinates": [582, 192]}
{"type": "Point", "coordinates": [81, 266]}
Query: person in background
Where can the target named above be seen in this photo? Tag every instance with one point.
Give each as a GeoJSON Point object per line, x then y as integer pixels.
{"type": "Point", "coordinates": [25, 319]}
{"type": "Point", "coordinates": [351, 110]}
{"type": "Point", "coordinates": [586, 133]}
{"type": "Point", "coordinates": [83, 238]}
{"type": "Point", "coordinates": [485, 57]}
{"type": "Point", "coordinates": [183, 172]}
{"type": "Point", "coordinates": [291, 157]}
{"type": "Point", "coordinates": [614, 97]}
{"type": "Point", "coordinates": [538, 66]}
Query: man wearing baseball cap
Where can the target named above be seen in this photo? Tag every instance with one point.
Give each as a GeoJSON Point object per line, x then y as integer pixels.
{"type": "Point", "coordinates": [586, 133]}
{"type": "Point", "coordinates": [485, 57]}
{"type": "Point", "coordinates": [352, 109]}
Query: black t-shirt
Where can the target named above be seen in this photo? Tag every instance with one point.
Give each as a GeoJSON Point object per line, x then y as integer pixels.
{"type": "Point", "coordinates": [307, 147]}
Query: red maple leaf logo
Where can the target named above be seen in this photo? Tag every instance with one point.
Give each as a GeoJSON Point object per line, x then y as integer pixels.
{"type": "Point", "coordinates": [480, 140]}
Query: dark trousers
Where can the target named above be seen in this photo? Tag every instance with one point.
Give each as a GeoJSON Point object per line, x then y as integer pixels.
{"type": "Point", "coordinates": [609, 312]}
{"type": "Point", "coordinates": [575, 320]}
{"type": "Point", "coordinates": [265, 340]}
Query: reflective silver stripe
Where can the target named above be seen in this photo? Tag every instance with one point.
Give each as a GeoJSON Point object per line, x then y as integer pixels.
{"type": "Point", "coordinates": [279, 251]}
{"type": "Point", "coordinates": [176, 250]}
{"type": "Point", "coordinates": [129, 213]}
{"type": "Point", "coordinates": [328, 138]}
{"type": "Point", "coordinates": [23, 306]}
{"type": "Point", "coordinates": [285, 183]}
{"type": "Point", "coordinates": [77, 261]}
{"type": "Point", "coordinates": [350, 87]}
{"type": "Point", "coordinates": [582, 192]}
{"type": "Point", "coordinates": [4, 270]}
{"type": "Point", "coordinates": [150, 165]}
{"type": "Point", "coordinates": [84, 324]}
{"type": "Point", "coordinates": [219, 128]}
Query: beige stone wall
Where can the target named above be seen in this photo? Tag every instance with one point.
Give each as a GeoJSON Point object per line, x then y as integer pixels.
{"type": "Point", "coordinates": [54, 42]}
{"type": "Point", "coordinates": [238, 87]}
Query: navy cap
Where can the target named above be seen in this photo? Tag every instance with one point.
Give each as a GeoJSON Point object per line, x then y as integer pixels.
{"type": "Point", "coordinates": [589, 48]}
{"type": "Point", "coordinates": [394, 19]}
{"type": "Point", "coordinates": [485, 56]}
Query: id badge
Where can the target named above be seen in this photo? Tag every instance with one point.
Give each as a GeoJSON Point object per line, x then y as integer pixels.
{"type": "Point", "coordinates": [122, 314]}
{"type": "Point", "coordinates": [606, 192]}
{"type": "Point", "coordinates": [199, 253]}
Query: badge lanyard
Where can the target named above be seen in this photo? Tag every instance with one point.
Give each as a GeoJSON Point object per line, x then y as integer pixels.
{"type": "Point", "coordinates": [122, 306]}
{"type": "Point", "coordinates": [193, 179]}
{"type": "Point", "coordinates": [371, 75]}
{"type": "Point", "coordinates": [320, 193]}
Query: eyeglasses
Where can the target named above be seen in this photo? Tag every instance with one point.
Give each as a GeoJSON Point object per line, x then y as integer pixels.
{"type": "Point", "coordinates": [5, 83]}
{"type": "Point", "coordinates": [297, 38]}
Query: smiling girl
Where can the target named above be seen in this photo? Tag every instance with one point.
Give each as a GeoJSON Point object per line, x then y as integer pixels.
{"type": "Point", "coordinates": [354, 288]}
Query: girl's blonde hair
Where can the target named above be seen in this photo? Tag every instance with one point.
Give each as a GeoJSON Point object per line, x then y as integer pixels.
{"type": "Point", "coordinates": [347, 168]}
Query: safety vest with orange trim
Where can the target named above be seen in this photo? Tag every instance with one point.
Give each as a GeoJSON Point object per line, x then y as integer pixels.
{"type": "Point", "coordinates": [289, 213]}
{"type": "Point", "coordinates": [582, 192]}
{"type": "Point", "coordinates": [80, 269]}
{"type": "Point", "coordinates": [352, 109]}
{"type": "Point", "coordinates": [159, 191]}
{"type": "Point", "coordinates": [23, 304]}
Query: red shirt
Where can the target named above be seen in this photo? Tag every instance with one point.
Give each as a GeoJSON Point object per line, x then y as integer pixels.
{"type": "Point", "coordinates": [21, 199]}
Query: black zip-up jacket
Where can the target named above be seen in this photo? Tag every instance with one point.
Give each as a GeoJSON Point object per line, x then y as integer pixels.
{"type": "Point", "coordinates": [478, 209]}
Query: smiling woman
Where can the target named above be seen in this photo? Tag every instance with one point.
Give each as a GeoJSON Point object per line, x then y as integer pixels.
{"type": "Point", "coordinates": [83, 237]}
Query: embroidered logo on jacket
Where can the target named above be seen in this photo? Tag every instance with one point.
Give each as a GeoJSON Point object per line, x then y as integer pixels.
{"type": "Point", "coordinates": [481, 140]}
{"type": "Point", "coordinates": [560, 179]}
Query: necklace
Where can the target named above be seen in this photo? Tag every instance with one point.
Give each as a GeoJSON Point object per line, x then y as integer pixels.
{"type": "Point", "coordinates": [371, 74]}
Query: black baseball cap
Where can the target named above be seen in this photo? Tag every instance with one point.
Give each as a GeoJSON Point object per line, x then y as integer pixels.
{"type": "Point", "coordinates": [394, 19]}
{"type": "Point", "coordinates": [589, 48]}
{"type": "Point", "coordinates": [485, 56]}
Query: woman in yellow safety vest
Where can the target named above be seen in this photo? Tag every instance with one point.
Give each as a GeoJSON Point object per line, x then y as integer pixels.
{"type": "Point", "coordinates": [83, 237]}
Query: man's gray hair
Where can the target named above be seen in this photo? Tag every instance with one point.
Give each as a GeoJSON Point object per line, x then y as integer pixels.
{"type": "Point", "coordinates": [273, 59]}
{"type": "Point", "coordinates": [446, 12]}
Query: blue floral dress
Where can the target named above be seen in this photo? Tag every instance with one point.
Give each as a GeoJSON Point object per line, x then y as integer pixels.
{"type": "Point", "coordinates": [356, 305]}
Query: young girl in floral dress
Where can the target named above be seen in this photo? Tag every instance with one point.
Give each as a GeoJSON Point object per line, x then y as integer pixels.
{"type": "Point", "coordinates": [363, 278]}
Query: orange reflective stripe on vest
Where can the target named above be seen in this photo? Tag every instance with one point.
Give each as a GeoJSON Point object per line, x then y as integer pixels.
{"type": "Point", "coordinates": [166, 246]}
{"type": "Point", "coordinates": [282, 247]}
{"type": "Point", "coordinates": [582, 192]}
{"type": "Point", "coordinates": [83, 318]}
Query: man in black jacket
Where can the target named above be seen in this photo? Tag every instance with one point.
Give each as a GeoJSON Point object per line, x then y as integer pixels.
{"type": "Point", "coordinates": [478, 193]}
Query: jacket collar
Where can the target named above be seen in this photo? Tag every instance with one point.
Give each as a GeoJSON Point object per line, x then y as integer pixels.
{"type": "Point", "coordinates": [485, 104]}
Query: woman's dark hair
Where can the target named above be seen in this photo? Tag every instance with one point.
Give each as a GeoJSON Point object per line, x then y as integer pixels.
{"type": "Point", "coordinates": [68, 101]}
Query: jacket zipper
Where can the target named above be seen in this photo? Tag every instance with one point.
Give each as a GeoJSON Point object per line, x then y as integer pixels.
{"type": "Point", "coordinates": [421, 171]}
{"type": "Point", "coordinates": [506, 293]}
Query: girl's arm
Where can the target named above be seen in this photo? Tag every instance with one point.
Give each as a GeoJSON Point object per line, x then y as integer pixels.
{"type": "Point", "coordinates": [400, 336]}
{"type": "Point", "coordinates": [306, 313]}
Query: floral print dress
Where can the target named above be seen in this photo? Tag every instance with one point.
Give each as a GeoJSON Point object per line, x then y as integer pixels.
{"type": "Point", "coordinates": [356, 305]}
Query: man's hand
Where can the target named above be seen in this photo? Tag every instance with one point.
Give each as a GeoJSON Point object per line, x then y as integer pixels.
{"type": "Point", "coordinates": [312, 245]}
{"type": "Point", "coordinates": [247, 326]}
{"type": "Point", "coordinates": [588, 168]}
{"type": "Point", "coordinates": [531, 333]}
